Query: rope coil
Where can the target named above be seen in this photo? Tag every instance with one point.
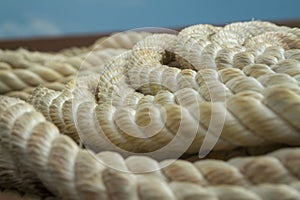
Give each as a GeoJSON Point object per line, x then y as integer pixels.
{"type": "Point", "coordinates": [162, 91]}
{"type": "Point", "coordinates": [140, 83]}
{"type": "Point", "coordinates": [73, 173]}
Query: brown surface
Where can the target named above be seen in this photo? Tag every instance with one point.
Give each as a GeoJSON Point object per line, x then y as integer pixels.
{"type": "Point", "coordinates": [51, 43]}
{"type": "Point", "coordinates": [57, 43]}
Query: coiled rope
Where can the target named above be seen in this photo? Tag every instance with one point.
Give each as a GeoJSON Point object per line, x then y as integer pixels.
{"type": "Point", "coordinates": [37, 155]}
{"type": "Point", "coordinates": [247, 72]}
{"type": "Point", "coordinates": [258, 99]}
{"type": "Point", "coordinates": [22, 71]}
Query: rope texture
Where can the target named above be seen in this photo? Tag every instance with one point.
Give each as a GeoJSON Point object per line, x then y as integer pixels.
{"type": "Point", "coordinates": [22, 71]}
{"type": "Point", "coordinates": [249, 71]}
{"type": "Point", "coordinates": [255, 83]}
{"type": "Point", "coordinates": [36, 153]}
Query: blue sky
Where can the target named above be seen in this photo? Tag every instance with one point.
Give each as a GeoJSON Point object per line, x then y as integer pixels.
{"type": "Point", "coordinates": [31, 18]}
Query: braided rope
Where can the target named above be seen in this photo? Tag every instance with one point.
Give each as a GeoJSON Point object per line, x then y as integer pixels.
{"type": "Point", "coordinates": [20, 83]}
{"type": "Point", "coordinates": [257, 69]}
{"type": "Point", "coordinates": [26, 70]}
{"type": "Point", "coordinates": [123, 40]}
{"type": "Point", "coordinates": [166, 80]}
{"type": "Point", "coordinates": [92, 62]}
{"type": "Point", "coordinates": [21, 71]}
{"type": "Point", "coordinates": [42, 154]}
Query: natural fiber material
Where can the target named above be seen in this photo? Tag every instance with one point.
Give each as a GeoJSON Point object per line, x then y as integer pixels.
{"type": "Point", "coordinates": [164, 91]}
{"type": "Point", "coordinates": [36, 153]}
{"type": "Point", "coordinates": [123, 40]}
{"type": "Point", "coordinates": [21, 71]}
{"type": "Point", "coordinates": [248, 77]}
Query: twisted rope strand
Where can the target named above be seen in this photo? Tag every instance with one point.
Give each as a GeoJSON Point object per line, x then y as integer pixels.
{"type": "Point", "coordinates": [159, 97]}
{"type": "Point", "coordinates": [231, 135]}
{"type": "Point", "coordinates": [21, 70]}
{"type": "Point", "coordinates": [69, 172]}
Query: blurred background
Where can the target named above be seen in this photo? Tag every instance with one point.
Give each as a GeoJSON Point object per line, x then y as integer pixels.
{"type": "Point", "coordinates": [36, 18]}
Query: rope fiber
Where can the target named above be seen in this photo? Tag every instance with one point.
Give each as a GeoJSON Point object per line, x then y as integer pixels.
{"type": "Point", "coordinates": [111, 120]}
